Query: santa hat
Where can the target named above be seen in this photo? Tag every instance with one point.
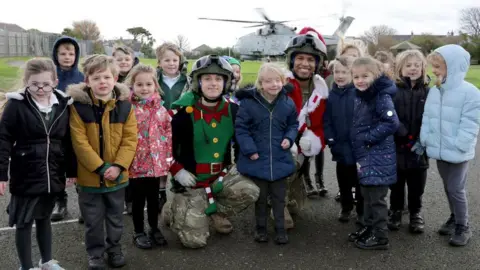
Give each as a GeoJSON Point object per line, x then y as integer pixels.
{"type": "Point", "coordinates": [310, 31]}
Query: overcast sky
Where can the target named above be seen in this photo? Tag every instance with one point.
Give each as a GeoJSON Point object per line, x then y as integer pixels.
{"type": "Point", "coordinates": [169, 18]}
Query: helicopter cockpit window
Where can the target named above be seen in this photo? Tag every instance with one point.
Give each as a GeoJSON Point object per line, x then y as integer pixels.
{"type": "Point", "coordinates": [302, 40]}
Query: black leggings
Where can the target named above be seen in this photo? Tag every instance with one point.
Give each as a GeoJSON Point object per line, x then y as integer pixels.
{"type": "Point", "coordinates": [145, 189]}
{"type": "Point", "coordinates": [23, 241]}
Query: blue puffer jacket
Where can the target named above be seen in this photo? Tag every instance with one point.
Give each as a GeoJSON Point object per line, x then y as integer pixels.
{"type": "Point", "coordinates": [451, 118]}
{"type": "Point", "coordinates": [260, 127]}
{"type": "Point", "coordinates": [374, 123]}
{"type": "Point", "coordinates": [337, 123]}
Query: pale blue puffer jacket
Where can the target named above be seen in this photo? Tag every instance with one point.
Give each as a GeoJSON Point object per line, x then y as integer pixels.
{"type": "Point", "coordinates": [451, 119]}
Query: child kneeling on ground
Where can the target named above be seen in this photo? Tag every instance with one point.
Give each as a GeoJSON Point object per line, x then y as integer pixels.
{"type": "Point", "coordinates": [266, 128]}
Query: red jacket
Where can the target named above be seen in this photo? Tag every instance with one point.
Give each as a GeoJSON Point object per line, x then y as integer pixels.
{"type": "Point", "coordinates": [314, 108]}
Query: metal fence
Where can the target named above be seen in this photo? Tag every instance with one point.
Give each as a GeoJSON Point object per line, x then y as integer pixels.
{"type": "Point", "coordinates": [34, 44]}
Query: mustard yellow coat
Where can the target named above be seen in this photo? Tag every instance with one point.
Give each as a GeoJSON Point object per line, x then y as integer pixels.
{"type": "Point", "coordinates": [99, 137]}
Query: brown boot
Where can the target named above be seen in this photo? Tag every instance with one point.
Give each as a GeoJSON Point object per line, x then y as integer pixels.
{"type": "Point", "coordinates": [288, 219]}
{"type": "Point", "coordinates": [221, 223]}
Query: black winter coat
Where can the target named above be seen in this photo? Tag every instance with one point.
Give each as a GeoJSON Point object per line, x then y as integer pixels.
{"type": "Point", "coordinates": [409, 104]}
{"type": "Point", "coordinates": [41, 154]}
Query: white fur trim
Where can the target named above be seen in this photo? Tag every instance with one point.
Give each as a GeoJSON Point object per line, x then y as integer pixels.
{"type": "Point", "coordinates": [319, 92]}
{"type": "Point", "coordinates": [14, 95]}
{"type": "Point", "coordinates": [316, 143]}
{"type": "Point", "coordinates": [289, 74]}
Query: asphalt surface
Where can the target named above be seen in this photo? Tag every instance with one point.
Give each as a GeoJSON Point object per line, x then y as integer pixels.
{"type": "Point", "coordinates": [318, 241]}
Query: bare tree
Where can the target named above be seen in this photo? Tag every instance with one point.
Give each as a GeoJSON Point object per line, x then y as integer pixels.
{"type": "Point", "coordinates": [182, 43]}
{"type": "Point", "coordinates": [372, 36]}
{"type": "Point", "coordinates": [470, 21]}
{"type": "Point", "coordinates": [86, 29]}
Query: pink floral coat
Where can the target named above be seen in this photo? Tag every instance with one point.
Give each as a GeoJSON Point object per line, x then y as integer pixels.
{"type": "Point", "coordinates": [154, 149]}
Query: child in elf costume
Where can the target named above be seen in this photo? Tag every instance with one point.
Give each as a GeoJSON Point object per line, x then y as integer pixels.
{"type": "Point", "coordinates": [204, 184]}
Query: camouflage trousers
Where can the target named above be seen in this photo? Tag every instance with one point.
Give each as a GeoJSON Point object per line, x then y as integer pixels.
{"type": "Point", "coordinates": [186, 211]}
{"type": "Point", "coordinates": [296, 194]}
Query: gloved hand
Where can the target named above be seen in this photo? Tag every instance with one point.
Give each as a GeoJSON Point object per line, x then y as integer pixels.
{"type": "Point", "coordinates": [305, 144]}
{"type": "Point", "coordinates": [418, 149]}
{"type": "Point", "coordinates": [185, 178]}
{"type": "Point", "coordinates": [294, 149]}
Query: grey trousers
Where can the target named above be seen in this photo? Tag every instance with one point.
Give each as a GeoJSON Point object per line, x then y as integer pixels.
{"type": "Point", "coordinates": [454, 178]}
{"type": "Point", "coordinates": [375, 209]}
{"type": "Point", "coordinates": [99, 209]}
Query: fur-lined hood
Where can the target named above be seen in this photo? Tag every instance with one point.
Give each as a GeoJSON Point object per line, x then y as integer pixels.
{"type": "Point", "coordinates": [20, 95]}
{"type": "Point", "coordinates": [80, 92]}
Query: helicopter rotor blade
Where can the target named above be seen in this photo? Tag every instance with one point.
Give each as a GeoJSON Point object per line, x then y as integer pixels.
{"type": "Point", "coordinates": [257, 25]}
{"type": "Point", "coordinates": [263, 14]}
{"type": "Point", "coordinates": [229, 20]}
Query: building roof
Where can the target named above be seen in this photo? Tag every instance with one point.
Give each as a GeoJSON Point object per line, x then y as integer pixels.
{"type": "Point", "coordinates": [11, 27]}
{"type": "Point", "coordinates": [202, 48]}
{"type": "Point", "coordinates": [405, 45]}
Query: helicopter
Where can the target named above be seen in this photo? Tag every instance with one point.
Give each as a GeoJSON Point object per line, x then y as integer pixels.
{"type": "Point", "coordinates": [270, 40]}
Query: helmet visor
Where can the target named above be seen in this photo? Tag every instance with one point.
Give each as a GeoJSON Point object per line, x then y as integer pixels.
{"type": "Point", "coordinates": [303, 40]}
{"type": "Point", "coordinates": [208, 60]}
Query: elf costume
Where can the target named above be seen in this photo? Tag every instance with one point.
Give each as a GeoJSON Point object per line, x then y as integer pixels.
{"type": "Point", "coordinates": [212, 130]}
{"type": "Point", "coordinates": [202, 183]}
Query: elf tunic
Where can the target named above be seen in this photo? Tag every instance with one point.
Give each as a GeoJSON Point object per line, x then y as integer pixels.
{"type": "Point", "coordinates": [201, 139]}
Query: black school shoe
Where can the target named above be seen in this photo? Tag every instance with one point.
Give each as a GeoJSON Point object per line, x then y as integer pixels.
{"type": "Point", "coordinates": [116, 259]}
{"type": "Point", "coordinates": [96, 263]}
{"type": "Point", "coordinates": [362, 232]}
{"type": "Point", "coordinates": [157, 238]}
{"type": "Point", "coordinates": [372, 243]}
{"type": "Point", "coordinates": [261, 237]}
{"type": "Point", "coordinates": [395, 221]}
{"type": "Point", "coordinates": [281, 237]}
{"type": "Point", "coordinates": [417, 225]}
{"type": "Point", "coordinates": [141, 241]}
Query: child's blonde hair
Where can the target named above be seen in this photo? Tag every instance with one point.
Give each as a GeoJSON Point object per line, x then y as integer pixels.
{"type": "Point", "coordinates": [372, 65]}
{"type": "Point", "coordinates": [270, 67]}
{"type": "Point", "coordinates": [99, 62]}
{"type": "Point", "coordinates": [125, 49]}
{"type": "Point", "coordinates": [356, 44]}
{"type": "Point", "coordinates": [168, 46]}
{"type": "Point", "coordinates": [435, 57]}
{"type": "Point", "coordinates": [386, 58]}
{"type": "Point", "coordinates": [404, 56]}
{"type": "Point", "coordinates": [39, 65]}
{"type": "Point", "coordinates": [141, 68]}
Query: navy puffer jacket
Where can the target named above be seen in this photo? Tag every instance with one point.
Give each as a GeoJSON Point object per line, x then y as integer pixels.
{"type": "Point", "coordinates": [260, 127]}
{"type": "Point", "coordinates": [337, 123]}
{"type": "Point", "coordinates": [374, 123]}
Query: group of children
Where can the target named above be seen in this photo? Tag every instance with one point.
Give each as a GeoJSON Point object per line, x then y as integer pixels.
{"type": "Point", "coordinates": [107, 136]}
{"type": "Point", "coordinates": [383, 122]}
{"type": "Point", "coordinates": [103, 134]}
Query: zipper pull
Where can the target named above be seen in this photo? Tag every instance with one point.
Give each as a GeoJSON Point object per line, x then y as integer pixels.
{"type": "Point", "coordinates": [48, 139]}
